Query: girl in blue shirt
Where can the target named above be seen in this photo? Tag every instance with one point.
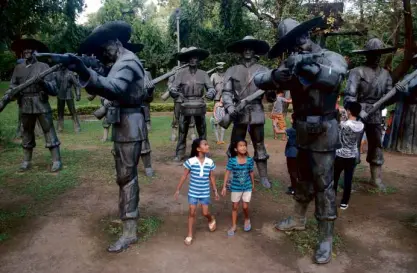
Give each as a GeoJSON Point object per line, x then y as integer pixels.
{"type": "Point", "coordinates": [242, 184]}
{"type": "Point", "coordinates": [201, 169]}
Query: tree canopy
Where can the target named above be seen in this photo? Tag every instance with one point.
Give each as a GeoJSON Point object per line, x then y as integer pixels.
{"type": "Point", "coordinates": [207, 24]}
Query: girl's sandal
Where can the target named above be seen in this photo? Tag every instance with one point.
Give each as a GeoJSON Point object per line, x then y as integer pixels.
{"type": "Point", "coordinates": [231, 232]}
{"type": "Point", "coordinates": [188, 241]}
{"type": "Point", "coordinates": [212, 224]}
{"type": "Point", "coordinates": [247, 227]}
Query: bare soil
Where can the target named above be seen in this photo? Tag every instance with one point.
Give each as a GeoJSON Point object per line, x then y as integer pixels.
{"type": "Point", "coordinates": [69, 236]}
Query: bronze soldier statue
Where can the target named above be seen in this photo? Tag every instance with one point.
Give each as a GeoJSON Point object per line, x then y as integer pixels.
{"type": "Point", "coordinates": [33, 103]}
{"type": "Point", "coordinates": [19, 129]}
{"type": "Point", "coordinates": [189, 85]}
{"type": "Point", "coordinates": [66, 82]}
{"type": "Point", "coordinates": [145, 152]}
{"type": "Point", "coordinates": [124, 86]}
{"type": "Point", "coordinates": [239, 84]}
{"type": "Point", "coordinates": [367, 84]}
{"type": "Point", "coordinates": [177, 104]}
{"type": "Point", "coordinates": [217, 79]}
{"type": "Point", "coordinates": [148, 99]}
{"type": "Point", "coordinates": [313, 75]}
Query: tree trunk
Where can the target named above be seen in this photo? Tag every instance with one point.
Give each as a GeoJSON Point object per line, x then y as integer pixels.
{"type": "Point", "coordinates": [404, 129]}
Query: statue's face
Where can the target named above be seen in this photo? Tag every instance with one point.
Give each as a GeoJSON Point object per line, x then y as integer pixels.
{"type": "Point", "coordinates": [193, 61]}
{"type": "Point", "coordinates": [248, 53]}
{"type": "Point", "coordinates": [373, 60]}
{"type": "Point", "coordinates": [110, 51]}
{"type": "Point", "coordinates": [27, 54]}
{"type": "Point", "coordinates": [220, 69]}
{"type": "Point", "coordinates": [302, 43]}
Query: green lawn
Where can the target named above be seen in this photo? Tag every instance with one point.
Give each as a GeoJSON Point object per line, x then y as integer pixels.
{"type": "Point", "coordinates": [84, 156]}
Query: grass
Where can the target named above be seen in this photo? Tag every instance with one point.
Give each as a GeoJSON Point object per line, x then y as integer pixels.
{"type": "Point", "coordinates": [306, 241]}
{"type": "Point", "coordinates": [84, 158]}
{"type": "Point", "coordinates": [275, 190]}
{"type": "Point", "coordinates": [147, 227]}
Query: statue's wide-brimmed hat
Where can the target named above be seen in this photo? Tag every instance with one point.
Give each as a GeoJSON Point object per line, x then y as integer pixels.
{"type": "Point", "coordinates": [375, 46]}
{"type": "Point", "coordinates": [193, 51]}
{"type": "Point", "coordinates": [288, 32]}
{"type": "Point", "coordinates": [115, 30]}
{"type": "Point", "coordinates": [259, 46]}
{"type": "Point", "coordinates": [134, 47]}
{"type": "Point", "coordinates": [220, 64]}
{"type": "Point", "coordinates": [19, 45]}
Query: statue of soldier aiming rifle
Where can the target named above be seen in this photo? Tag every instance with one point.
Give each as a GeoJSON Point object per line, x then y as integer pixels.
{"type": "Point", "coordinates": [313, 75]}
{"type": "Point", "coordinates": [238, 85]}
{"type": "Point", "coordinates": [189, 84]}
{"type": "Point", "coordinates": [33, 103]}
{"type": "Point", "coordinates": [367, 84]}
{"type": "Point", "coordinates": [124, 86]}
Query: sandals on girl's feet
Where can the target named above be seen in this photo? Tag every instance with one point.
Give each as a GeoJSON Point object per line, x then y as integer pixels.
{"type": "Point", "coordinates": [212, 224]}
{"type": "Point", "coordinates": [188, 241]}
{"type": "Point", "coordinates": [231, 232]}
{"type": "Point", "coordinates": [247, 227]}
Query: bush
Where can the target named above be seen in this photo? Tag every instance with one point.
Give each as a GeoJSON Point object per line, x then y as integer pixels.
{"type": "Point", "coordinates": [155, 107]}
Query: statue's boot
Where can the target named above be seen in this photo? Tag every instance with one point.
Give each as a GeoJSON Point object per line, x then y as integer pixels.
{"type": "Point", "coordinates": [56, 159]}
{"type": "Point", "coordinates": [129, 237]}
{"type": "Point", "coordinates": [105, 135]}
{"type": "Point", "coordinates": [27, 159]}
{"type": "Point", "coordinates": [222, 135]}
{"type": "Point", "coordinates": [147, 163]}
{"type": "Point", "coordinates": [60, 125]}
{"type": "Point", "coordinates": [296, 222]}
{"type": "Point", "coordinates": [263, 173]}
{"type": "Point", "coordinates": [323, 253]}
{"type": "Point", "coordinates": [77, 127]}
{"type": "Point", "coordinates": [173, 134]}
{"type": "Point", "coordinates": [178, 158]}
{"type": "Point", "coordinates": [376, 179]}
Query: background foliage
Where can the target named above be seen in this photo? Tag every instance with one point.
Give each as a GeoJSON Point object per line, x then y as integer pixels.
{"type": "Point", "coordinates": [207, 24]}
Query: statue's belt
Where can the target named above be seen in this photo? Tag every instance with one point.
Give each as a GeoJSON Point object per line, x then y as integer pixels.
{"type": "Point", "coordinates": [130, 110]}
{"type": "Point", "coordinates": [319, 118]}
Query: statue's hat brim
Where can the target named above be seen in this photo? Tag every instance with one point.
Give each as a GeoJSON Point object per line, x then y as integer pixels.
{"type": "Point", "coordinates": [134, 47]}
{"type": "Point", "coordinates": [289, 39]}
{"type": "Point", "coordinates": [380, 51]}
{"type": "Point", "coordinates": [185, 56]}
{"type": "Point", "coordinates": [259, 46]}
{"type": "Point", "coordinates": [19, 45]}
{"type": "Point", "coordinates": [119, 30]}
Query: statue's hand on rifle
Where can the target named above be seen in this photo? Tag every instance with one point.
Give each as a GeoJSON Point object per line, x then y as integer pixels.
{"type": "Point", "coordinates": [232, 112]}
{"type": "Point", "coordinates": [281, 75]}
{"type": "Point", "coordinates": [211, 93]}
{"type": "Point", "coordinates": [401, 87]}
{"type": "Point", "coordinates": [90, 97]}
{"type": "Point", "coordinates": [107, 103]}
{"type": "Point", "coordinates": [76, 64]}
{"type": "Point", "coordinates": [363, 115]}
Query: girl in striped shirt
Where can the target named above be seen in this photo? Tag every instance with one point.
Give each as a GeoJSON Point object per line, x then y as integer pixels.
{"type": "Point", "coordinates": [200, 168]}
{"type": "Point", "coordinates": [243, 182]}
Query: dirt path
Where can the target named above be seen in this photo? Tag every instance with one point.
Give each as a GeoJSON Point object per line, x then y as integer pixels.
{"type": "Point", "coordinates": [70, 236]}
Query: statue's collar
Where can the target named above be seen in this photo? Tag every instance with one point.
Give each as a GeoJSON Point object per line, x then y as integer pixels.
{"type": "Point", "coordinates": [248, 64]}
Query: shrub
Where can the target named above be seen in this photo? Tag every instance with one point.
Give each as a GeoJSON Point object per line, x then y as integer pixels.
{"type": "Point", "coordinates": [155, 107]}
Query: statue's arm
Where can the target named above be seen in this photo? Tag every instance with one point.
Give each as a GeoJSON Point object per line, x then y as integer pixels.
{"type": "Point", "coordinates": [114, 87]}
{"type": "Point", "coordinates": [352, 86]}
{"type": "Point", "coordinates": [211, 92]}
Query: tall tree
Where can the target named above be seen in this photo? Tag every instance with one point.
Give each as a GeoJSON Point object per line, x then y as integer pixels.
{"type": "Point", "coordinates": [28, 17]}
